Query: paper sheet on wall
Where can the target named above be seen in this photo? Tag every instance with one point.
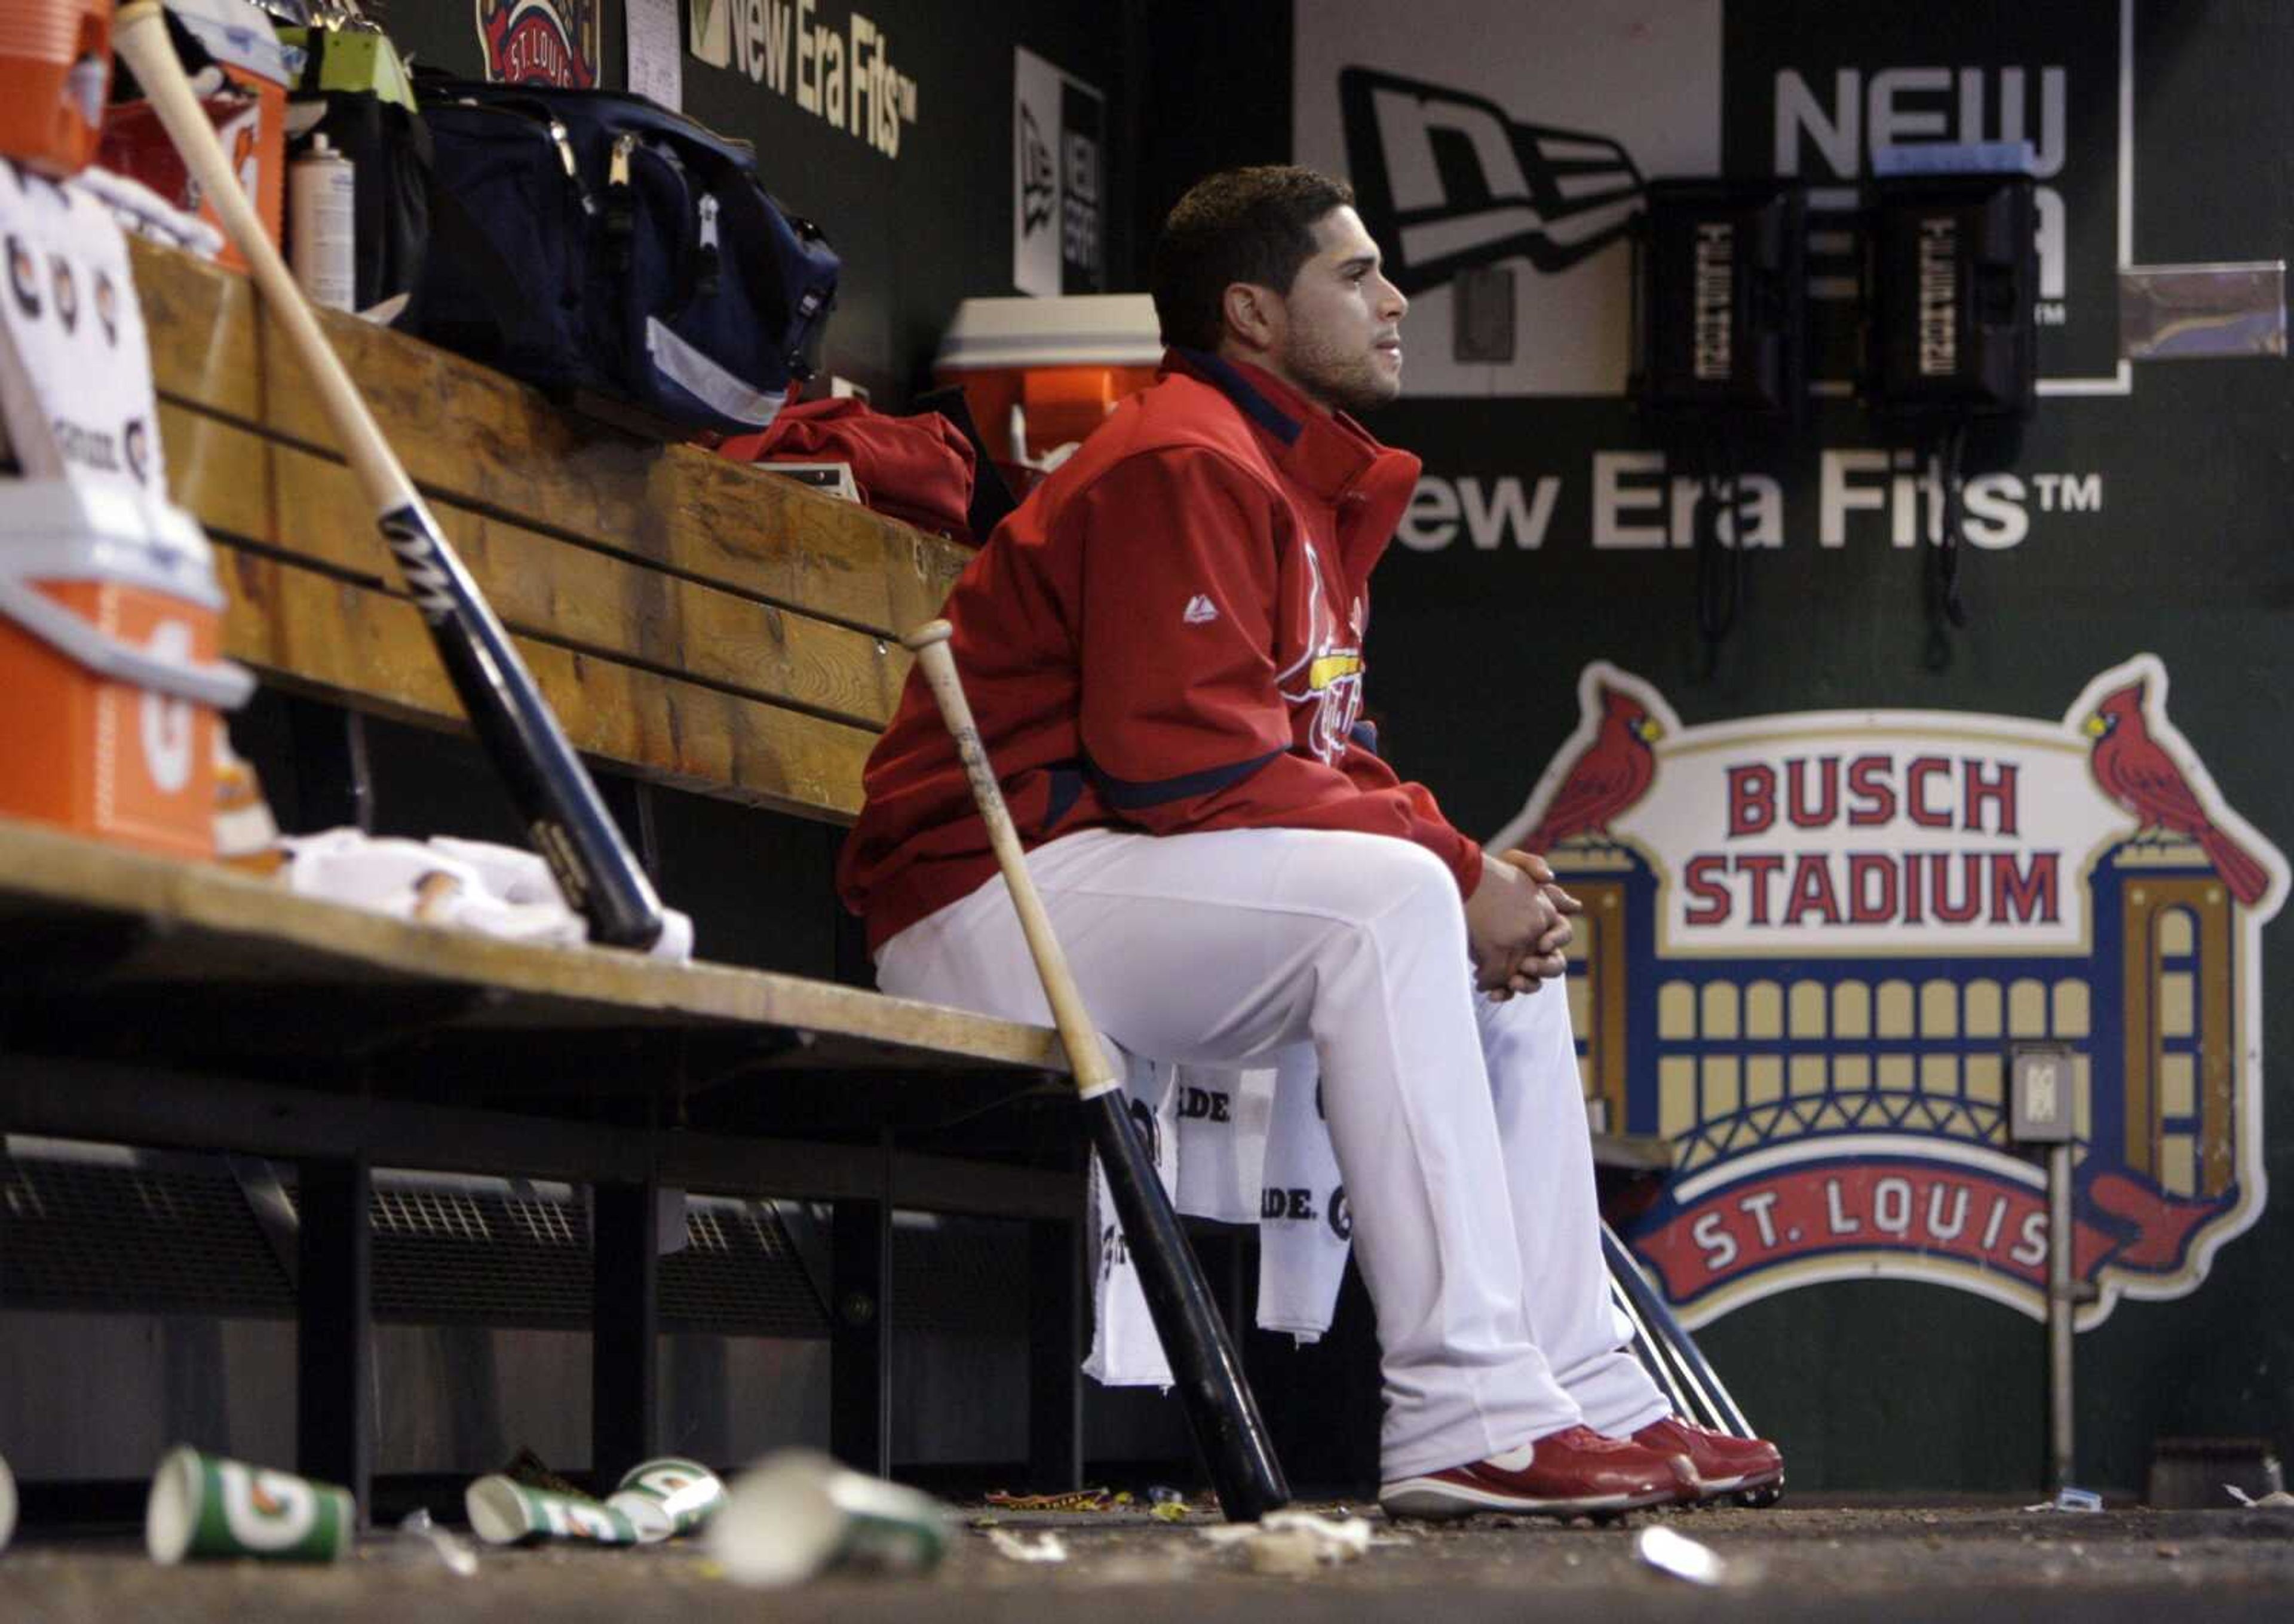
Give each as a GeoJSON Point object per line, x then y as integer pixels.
{"type": "Point", "coordinates": [75, 399]}
{"type": "Point", "coordinates": [655, 72]}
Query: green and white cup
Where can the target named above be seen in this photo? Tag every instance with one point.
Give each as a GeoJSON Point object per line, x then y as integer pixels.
{"type": "Point", "coordinates": [666, 1497]}
{"type": "Point", "coordinates": [7, 1506]}
{"type": "Point", "coordinates": [503, 1511]}
{"type": "Point", "coordinates": [797, 1512]}
{"type": "Point", "coordinates": [203, 1505]}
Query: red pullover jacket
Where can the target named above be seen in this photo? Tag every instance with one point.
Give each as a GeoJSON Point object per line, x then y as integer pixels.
{"type": "Point", "coordinates": [1166, 636]}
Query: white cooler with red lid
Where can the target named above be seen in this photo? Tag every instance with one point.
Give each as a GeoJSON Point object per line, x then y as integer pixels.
{"type": "Point", "coordinates": [1041, 373]}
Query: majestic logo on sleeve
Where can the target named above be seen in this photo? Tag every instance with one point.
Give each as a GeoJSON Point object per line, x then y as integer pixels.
{"type": "Point", "coordinates": [1813, 941]}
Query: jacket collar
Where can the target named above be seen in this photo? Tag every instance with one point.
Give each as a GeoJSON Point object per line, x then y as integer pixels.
{"type": "Point", "coordinates": [1327, 453]}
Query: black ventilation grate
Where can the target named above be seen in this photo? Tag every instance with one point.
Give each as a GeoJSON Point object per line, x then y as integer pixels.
{"type": "Point", "coordinates": [91, 1235]}
{"type": "Point", "coordinates": [739, 1276]}
{"type": "Point", "coordinates": [453, 1257]}
{"type": "Point", "coordinates": [120, 1232]}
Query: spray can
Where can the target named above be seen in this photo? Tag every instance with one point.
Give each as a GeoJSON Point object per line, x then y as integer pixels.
{"type": "Point", "coordinates": [322, 218]}
{"type": "Point", "coordinates": [55, 67]}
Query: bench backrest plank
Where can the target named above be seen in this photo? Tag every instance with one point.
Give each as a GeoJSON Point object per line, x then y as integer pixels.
{"type": "Point", "coordinates": [332, 635]}
{"type": "Point", "coordinates": [697, 623]}
{"type": "Point", "coordinates": [260, 493]}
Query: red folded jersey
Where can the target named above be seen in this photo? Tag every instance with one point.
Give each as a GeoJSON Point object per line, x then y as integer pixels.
{"type": "Point", "coordinates": [1167, 636]}
{"type": "Point", "coordinates": [918, 470]}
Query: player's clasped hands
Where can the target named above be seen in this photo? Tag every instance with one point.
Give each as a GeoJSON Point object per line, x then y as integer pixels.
{"type": "Point", "coordinates": [1518, 924]}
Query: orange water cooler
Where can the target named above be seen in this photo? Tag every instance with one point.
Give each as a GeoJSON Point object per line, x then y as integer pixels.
{"type": "Point", "coordinates": [1041, 373]}
{"type": "Point", "coordinates": [110, 621]}
{"type": "Point", "coordinates": [55, 69]}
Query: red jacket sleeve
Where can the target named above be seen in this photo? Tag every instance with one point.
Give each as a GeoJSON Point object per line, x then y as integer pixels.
{"type": "Point", "coordinates": [1183, 726]}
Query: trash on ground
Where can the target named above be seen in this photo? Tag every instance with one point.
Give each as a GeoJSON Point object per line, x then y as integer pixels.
{"type": "Point", "coordinates": [529, 1468]}
{"type": "Point", "coordinates": [667, 1496]}
{"type": "Point", "coordinates": [419, 1539]}
{"type": "Point", "coordinates": [1168, 1511]}
{"type": "Point", "coordinates": [504, 1511]}
{"type": "Point", "coordinates": [1073, 1499]}
{"type": "Point", "coordinates": [1679, 1556]}
{"type": "Point", "coordinates": [204, 1506]}
{"type": "Point", "coordinates": [2068, 1498]}
{"type": "Point", "coordinates": [1294, 1542]}
{"type": "Point", "coordinates": [1046, 1547]}
{"type": "Point", "coordinates": [2275, 1499]}
{"type": "Point", "coordinates": [797, 1512]}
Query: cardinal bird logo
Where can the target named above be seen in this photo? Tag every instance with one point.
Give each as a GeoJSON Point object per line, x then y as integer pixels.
{"type": "Point", "coordinates": [2135, 771]}
{"type": "Point", "coordinates": [1607, 779]}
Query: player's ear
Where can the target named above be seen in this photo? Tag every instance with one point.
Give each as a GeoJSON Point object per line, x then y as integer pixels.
{"type": "Point", "coordinates": [1253, 315]}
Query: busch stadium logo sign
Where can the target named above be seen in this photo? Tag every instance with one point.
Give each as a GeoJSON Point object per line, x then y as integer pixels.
{"type": "Point", "coordinates": [1812, 941]}
{"type": "Point", "coordinates": [540, 42]}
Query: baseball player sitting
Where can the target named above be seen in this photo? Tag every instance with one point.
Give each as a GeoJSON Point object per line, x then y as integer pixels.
{"type": "Point", "coordinates": [1164, 650]}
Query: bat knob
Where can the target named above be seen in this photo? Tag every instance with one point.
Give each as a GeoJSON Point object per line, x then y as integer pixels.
{"type": "Point", "coordinates": [925, 636]}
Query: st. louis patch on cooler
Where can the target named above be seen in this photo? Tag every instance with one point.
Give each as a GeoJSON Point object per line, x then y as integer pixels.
{"type": "Point", "coordinates": [1812, 942]}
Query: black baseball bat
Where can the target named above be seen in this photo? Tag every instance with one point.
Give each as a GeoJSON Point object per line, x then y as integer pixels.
{"type": "Point", "coordinates": [1217, 1399]}
{"type": "Point", "coordinates": [569, 824]}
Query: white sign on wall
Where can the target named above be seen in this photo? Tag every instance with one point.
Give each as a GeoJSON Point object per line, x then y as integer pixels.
{"type": "Point", "coordinates": [1531, 145]}
{"type": "Point", "coordinates": [1059, 181]}
{"type": "Point", "coordinates": [1514, 140]}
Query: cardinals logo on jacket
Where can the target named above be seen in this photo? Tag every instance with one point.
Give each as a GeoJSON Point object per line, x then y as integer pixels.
{"type": "Point", "coordinates": [1814, 943]}
{"type": "Point", "coordinates": [1327, 676]}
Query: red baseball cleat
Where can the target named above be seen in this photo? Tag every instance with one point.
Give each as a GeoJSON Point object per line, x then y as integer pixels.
{"type": "Point", "coordinates": [1561, 1474]}
{"type": "Point", "coordinates": [1751, 1468]}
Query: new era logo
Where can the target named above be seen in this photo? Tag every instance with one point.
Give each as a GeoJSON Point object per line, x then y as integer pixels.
{"type": "Point", "coordinates": [1448, 181]}
{"type": "Point", "coordinates": [1200, 610]}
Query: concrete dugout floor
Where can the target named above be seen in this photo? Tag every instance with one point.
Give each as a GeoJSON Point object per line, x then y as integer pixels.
{"type": "Point", "coordinates": [1790, 1562]}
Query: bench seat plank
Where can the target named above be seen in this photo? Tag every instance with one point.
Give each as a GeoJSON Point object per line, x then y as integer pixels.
{"type": "Point", "coordinates": [196, 925]}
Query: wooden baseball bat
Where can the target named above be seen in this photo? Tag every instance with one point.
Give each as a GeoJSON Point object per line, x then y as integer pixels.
{"type": "Point", "coordinates": [1202, 1357]}
{"type": "Point", "coordinates": [592, 864]}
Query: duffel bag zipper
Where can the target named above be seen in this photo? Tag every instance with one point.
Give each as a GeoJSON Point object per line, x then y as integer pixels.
{"type": "Point", "coordinates": [551, 131]}
{"type": "Point", "coordinates": [621, 203]}
{"type": "Point", "coordinates": [697, 226]}
{"type": "Point", "coordinates": [706, 278]}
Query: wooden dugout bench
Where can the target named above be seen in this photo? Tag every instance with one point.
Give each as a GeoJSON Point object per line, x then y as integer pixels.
{"type": "Point", "coordinates": [698, 626]}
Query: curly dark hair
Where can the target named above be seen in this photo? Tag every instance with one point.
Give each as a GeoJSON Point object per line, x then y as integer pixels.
{"type": "Point", "coordinates": [1239, 225]}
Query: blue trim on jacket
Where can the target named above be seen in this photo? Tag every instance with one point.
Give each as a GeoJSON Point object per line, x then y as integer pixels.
{"type": "Point", "coordinates": [1237, 389]}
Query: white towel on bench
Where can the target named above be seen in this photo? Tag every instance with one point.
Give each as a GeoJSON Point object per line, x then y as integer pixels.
{"type": "Point", "coordinates": [472, 885]}
{"type": "Point", "coordinates": [1236, 1147]}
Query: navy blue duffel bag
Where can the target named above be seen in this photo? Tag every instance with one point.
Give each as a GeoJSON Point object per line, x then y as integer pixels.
{"type": "Point", "coordinates": [582, 240]}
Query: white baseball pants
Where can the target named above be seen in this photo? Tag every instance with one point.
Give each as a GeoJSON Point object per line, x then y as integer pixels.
{"type": "Point", "coordinates": [1459, 1122]}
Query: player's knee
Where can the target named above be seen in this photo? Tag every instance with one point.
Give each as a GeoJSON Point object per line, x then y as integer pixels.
{"type": "Point", "coordinates": [1388, 886]}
